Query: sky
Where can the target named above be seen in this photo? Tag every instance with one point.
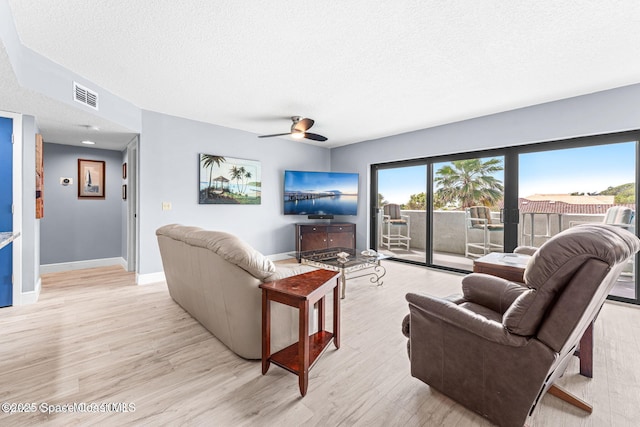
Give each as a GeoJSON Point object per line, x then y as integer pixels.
{"type": "Point", "coordinates": [584, 169]}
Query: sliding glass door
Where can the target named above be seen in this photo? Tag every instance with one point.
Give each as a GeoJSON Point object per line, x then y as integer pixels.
{"type": "Point", "coordinates": [401, 212]}
{"type": "Point", "coordinates": [468, 197]}
{"type": "Point", "coordinates": [447, 211]}
{"type": "Point", "coordinates": [442, 212]}
{"type": "Point", "coordinates": [559, 189]}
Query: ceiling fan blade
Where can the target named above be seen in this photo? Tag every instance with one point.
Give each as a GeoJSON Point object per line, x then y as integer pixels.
{"type": "Point", "coordinates": [315, 136]}
{"type": "Point", "coordinates": [275, 134]}
{"type": "Point", "coordinates": [302, 125]}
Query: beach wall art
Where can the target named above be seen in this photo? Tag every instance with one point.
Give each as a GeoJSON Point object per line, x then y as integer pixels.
{"type": "Point", "coordinates": [227, 180]}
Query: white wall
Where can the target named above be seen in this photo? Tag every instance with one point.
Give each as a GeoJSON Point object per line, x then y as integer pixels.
{"type": "Point", "coordinates": [603, 112]}
{"type": "Point", "coordinates": [169, 148]}
{"type": "Point", "coordinates": [30, 225]}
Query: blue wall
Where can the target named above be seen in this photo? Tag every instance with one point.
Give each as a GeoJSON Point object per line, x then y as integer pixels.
{"type": "Point", "coordinates": [80, 229]}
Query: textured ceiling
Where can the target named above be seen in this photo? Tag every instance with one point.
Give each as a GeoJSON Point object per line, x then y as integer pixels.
{"type": "Point", "coordinates": [361, 69]}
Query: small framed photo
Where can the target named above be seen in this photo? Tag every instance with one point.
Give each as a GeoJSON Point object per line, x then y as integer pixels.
{"type": "Point", "coordinates": [91, 179]}
{"type": "Point", "coordinates": [124, 191]}
{"type": "Point", "coordinates": [124, 171]}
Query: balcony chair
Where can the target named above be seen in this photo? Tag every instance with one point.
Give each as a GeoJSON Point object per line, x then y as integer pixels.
{"type": "Point", "coordinates": [393, 225]}
{"type": "Point", "coordinates": [499, 347]}
{"type": "Point", "coordinates": [620, 216]}
{"type": "Point", "coordinates": [478, 218]}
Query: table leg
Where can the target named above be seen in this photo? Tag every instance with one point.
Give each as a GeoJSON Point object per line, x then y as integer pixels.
{"type": "Point", "coordinates": [336, 315]}
{"type": "Point", "coordinates": [303, 346]}
{"type": "Point", "coordinates": [266, 332]}
{"type": "Point", "coordinates": [343, 282]}
{"type": "Point", "coordinates": [321, 314]}
{"type": "Point", "coordinates": [586, 352]}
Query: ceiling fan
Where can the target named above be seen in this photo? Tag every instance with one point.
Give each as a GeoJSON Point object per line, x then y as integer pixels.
{"type": "Point", "coordinates": [299, 130]}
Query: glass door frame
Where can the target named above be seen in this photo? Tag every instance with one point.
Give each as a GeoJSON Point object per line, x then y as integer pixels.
{"type": "Point", "coordinates": [511, 212]}
{"type": "Point", "coordinates": [511, 228]}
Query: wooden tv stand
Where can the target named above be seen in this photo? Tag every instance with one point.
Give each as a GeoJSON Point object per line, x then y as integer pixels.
{"type": "Point", "coordinates": [315, 236]}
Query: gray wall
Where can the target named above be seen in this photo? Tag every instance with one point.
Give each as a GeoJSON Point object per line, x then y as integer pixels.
{"type": "Point", "coordinates": [598, 113]}
{"type": "Point", "coordinates": [80, 229]}
{"type": "Point", "coordinates": [168, 160]}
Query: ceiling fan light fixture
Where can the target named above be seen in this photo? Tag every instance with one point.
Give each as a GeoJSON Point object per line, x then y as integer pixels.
{"type": "Point", "coordinates": [297, 135]}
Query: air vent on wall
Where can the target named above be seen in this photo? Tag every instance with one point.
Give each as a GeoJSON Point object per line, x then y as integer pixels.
{"type": "Point", "coordinates": [85, 96]}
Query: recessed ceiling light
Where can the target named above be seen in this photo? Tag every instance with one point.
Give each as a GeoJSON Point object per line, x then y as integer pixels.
{"type": "Point", "coordinates": [88, 142]}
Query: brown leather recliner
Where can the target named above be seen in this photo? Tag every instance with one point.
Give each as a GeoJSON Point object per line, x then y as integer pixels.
{"type": "Point", "coordinates": [500, 346]}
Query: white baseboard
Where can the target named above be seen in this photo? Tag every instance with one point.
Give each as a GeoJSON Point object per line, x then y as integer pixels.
{"type": "Point", "coordinates": [31, 297]}
{"type": "Point", "coordinates": [80, 265]}
{"type": "Point", "coordinates": [280, 257]}
{"type": "Point", "coordinates": [147, 279]}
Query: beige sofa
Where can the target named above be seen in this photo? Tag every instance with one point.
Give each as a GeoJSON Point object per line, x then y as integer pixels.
{"type": "Point", "coordinates": [214, 276]}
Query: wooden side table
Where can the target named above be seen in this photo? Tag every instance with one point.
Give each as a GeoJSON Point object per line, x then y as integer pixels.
{"type": "Point", "coordinates": [302, 291]}
{"type": "Point", "coordinates": [511, 267]}
{"type": "Point", "coordinates": [507, 266]}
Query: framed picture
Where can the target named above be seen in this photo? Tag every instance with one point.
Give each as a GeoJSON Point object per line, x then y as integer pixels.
{"type": "Point", "coordinates": [124, 191]}
{"type": "Point", "coordinates": [39, 178]}
{"type": "Point", "coordinates": [225, 180]}
{"type": "Point", "coordinates": [124, 171]}
{"type": "Point", "coordinates": [91, 179]}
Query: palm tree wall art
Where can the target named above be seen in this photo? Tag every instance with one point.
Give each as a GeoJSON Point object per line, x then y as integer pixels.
{"type": "Point", "coordinates": [227, 180]}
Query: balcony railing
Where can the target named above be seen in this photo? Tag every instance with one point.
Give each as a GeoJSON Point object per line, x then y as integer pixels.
{"type": "Point", "coordinates": [449, 239]}
{"type": "Point", "coordinates": [449, 229]}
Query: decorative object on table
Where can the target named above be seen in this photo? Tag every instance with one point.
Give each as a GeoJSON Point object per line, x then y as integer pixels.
{"type": "Point", "coordinates": [39, 178]}
{"type": "Point", "coordinates": [225, 180]}
{"type": "Point", "coordinates": [369, 252]}
{"type": "Point", "coordinates": [91, 179]}
{"type": "Point", "coordinates": [124, 191]}
{"type": "Point", "coordinates": [343, 255]}
{"type": "Point", "coordinates": [124, 170]}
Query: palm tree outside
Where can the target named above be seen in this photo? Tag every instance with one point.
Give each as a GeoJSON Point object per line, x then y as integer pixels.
{"type": "Point", "coordinates": [469, 182]}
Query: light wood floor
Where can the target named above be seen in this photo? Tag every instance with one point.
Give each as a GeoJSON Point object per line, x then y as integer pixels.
{"type": "Point", "coordinates": [95, 337]}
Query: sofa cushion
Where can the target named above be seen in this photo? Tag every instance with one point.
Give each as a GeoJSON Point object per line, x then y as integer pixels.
{"type": "Point", "coordinates": [234, 250]}
{"type": "Point", "coordinates": [226, 245]}
{"type": "Point", "coordinates": [523, 317]}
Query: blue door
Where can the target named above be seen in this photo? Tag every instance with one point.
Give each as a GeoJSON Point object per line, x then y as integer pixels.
{"type": "Point", "coordinates": [6, 216]}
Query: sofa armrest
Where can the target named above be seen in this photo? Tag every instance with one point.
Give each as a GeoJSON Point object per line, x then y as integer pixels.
{"type": "Point", "coordinates": [287, 270]}
{"type": "Point", "coordinates": [492, 292]}
{"type": "Point", "coordinates": [426, 307]}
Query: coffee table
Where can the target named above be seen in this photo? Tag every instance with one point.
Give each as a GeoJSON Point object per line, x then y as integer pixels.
{"type": "Point", "coordinates": [355, 261]}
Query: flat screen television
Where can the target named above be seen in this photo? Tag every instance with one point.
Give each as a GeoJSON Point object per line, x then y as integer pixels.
{"type": "Point", "coordinates": [320, 195]}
